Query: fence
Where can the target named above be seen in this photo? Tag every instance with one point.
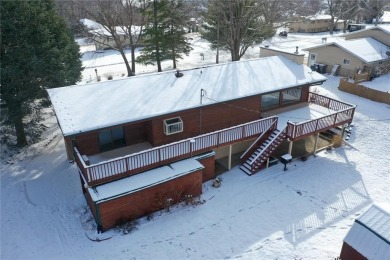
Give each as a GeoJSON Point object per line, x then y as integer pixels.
{"type": "Point", "coordinates": [362, 91]}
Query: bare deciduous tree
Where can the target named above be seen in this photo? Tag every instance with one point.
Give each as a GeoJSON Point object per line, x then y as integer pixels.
{"type": "Point", "coordinates": [375, 8]}
{"type": "Point", "coordinates": [236, 25]}
{"type": "Point", "coordinates": [342, 9]}
{"type": "Point", "coordinates": [121, 21]}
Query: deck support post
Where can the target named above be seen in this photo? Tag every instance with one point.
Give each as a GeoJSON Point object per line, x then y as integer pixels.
{"type": "Point", "coordinates": [315, 143]}
{"type": "Point", "coordinates": [290, 145]}
{"type": "Point", "coordinates": [230, 158]}
{"type": "Point", "coordinates": [342, 131]}
{"type": "Point", "coordinates": [267, 163]}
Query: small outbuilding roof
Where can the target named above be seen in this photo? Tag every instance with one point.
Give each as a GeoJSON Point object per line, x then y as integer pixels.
{"type": "Point", "coordinates": [83, 108]}
{"type": "Point", "coordinates": [143, 181]}
{"type": "Point", "coordinates": [370, 234]}
{"type": "Point", "coordinates": [366, 49]}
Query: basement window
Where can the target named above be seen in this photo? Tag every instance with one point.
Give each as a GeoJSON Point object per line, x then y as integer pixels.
{"type": "Point", "coordinates": [173, 126]}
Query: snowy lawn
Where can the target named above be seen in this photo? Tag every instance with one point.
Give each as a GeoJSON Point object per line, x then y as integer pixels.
{"type": "Point", "coordinates": [110, 62]}
{"type": "Point", "coordinates": [302, 213]}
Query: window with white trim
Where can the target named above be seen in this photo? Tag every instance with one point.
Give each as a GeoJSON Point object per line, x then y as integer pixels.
{"type": "Point", "coordinates": [173, 126]}
{"type": "Point", "coordinates": [346, 62]}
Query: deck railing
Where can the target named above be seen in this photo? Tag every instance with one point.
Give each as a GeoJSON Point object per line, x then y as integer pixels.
{"type": "Point", "coordinates": [343, 114]}
{"type": "Point", "coordinates": [148, 159]}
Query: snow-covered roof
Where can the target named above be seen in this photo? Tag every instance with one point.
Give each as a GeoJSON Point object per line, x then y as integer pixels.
{"type": "Point", "coordinates": [91, 25]}
{"type": "Point", "coordinates": [98, 29]}
{"type": "Point", "coordinates": [145, 180]}
{"type": "Point", "coordinates": [82, 108]}
{"type": "Point", "coordinates": [365, 49]}
{"type": "Point", "coordinates": [385, 18]}
{"type": "Point", "coordinates": [323, 17]}
{"type": "Point", "coordinates": [370, 234]}
{"type": "Point", "coordinates": [320, 17]}
{"type": "Point", "coordinates": [383, 27]}
{"type": "Point", "coordinates": [119, 30]}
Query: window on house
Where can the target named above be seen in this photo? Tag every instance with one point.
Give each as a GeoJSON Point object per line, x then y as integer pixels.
{"type": "Point", "coordinates": [346, 62]}
{"type": "Point", "coordinates": [173, 126]}
{"type": "Point", "coordinates": [313, 21]}
{"type": "Point", "coordinates": [111, 139]}
{"type": "Point", "coordinates": [270, 100]}
{"type": "Point", "coordinates": [292, 95]}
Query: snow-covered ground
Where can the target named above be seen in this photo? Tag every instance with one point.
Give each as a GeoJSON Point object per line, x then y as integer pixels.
{"type": "Point", "coordinates": [382, 83]}
{"type": "Point", "coordinates": [302, 213]}
{"type": "Point", "coordinates": [110, 62]}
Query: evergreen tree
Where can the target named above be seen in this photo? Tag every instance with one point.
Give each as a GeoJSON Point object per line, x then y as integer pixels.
{"type": "Point", "coordinates": [155, 50]}
{"type": "Point", "coordinates": [37, 52]}
{"type": "Point", "coordinates": [175, 38]}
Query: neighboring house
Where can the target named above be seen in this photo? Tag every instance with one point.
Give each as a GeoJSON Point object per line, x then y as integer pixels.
{"type": "Point", "coordinates": [103, 38]}
{"type": "Point", "coordinates": [145, 142]}
{"type": "Point", "coordinates": [380, 33]}
{"type": "Point", "coordinates": [353, 56]}
{"type": "Point", "coordinates": [369, 236]}
{"type": "Point", "coordinates": [311, 24]}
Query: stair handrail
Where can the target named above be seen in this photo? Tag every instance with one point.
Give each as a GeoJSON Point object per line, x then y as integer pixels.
{"type": "Point", "coordinates": [266, 147]}
{"type": "Point", "coordinates": [258, 138]}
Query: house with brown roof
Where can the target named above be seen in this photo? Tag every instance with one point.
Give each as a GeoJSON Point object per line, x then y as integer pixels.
{"type": "Point", "coordinates": [313, 24]}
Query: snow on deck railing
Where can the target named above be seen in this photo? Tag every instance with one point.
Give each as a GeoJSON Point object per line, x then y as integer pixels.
{"type": "Point", "coordinates": [250, 149]}
{"type": "Point", "coordinates": [296, 130]}
{"type": "Point", "coordinates": [154, 157]}
{"type": "Point", "coordinates": [343, 114]}
{"type": "Point", "coordinates": [327, 102]}
{"type": "Point", "coordinates": [268, 146]}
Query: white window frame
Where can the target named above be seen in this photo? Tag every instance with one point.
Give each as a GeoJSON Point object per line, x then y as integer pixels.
{"type": "Point", "coordinates": [346, 62]}
{"type": "Point", "coordinates": [171, 128]}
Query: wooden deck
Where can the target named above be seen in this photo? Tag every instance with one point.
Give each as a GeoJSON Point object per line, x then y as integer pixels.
{"type": "Point", "coordinates": [343, 113]}
{"type": "Point", "coordinates": [109, 170]}
{"type": "Point", "coordinates": [134, 163]}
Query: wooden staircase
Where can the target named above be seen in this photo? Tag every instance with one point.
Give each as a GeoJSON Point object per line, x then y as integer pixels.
{"type": "Point", "coordinates": [259, 157]}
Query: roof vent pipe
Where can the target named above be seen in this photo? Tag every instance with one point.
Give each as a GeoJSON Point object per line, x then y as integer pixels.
{"type": "Point", "coordinates": [296, 50]}
{"type": "Point", "coordinates": [178, 74]}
